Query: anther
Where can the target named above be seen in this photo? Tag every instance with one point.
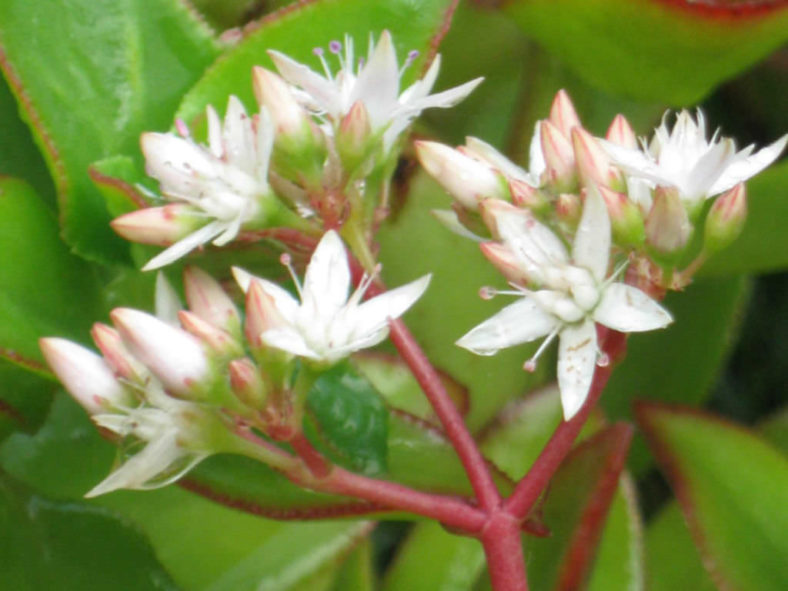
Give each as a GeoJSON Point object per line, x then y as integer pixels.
{"type": "Point", "coordinates": [182, 128]}
{"type": "Point", "coordinates": [486, 292]}
{"type": "Point", "coordinates": [287, 262]}
{"type": "Point", "coordinates": [603, 360]}
{"type": "Point", "coordinates": [335, 47]}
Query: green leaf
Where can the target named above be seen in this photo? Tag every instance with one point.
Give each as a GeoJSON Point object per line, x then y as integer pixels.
{"type": "Point", "coordinates": [46, 290]}
{"type": "Point", "coordinates": [356, 573]}
{"type": "Point", "coordinates": [90, 76]}
{"type": "Point", "coordinates": [352, 420]}
{"type": "Point", "coordinates": [672, 558]}
{"type": "Point", "coordinates": [575, 510]}
{"type": "Point", "coordinates": [731, 487]}
{"type": "Point", "coordinates": [414, 24]}
{"type": "Point", "coordinates": [431, 558]}
{"type": "Point", "coordinates": [24, 399]}
{"type": "Point", "coordinates": [47, 544]}
{"type": "Point", "coordinates": [674, 52]}
{"type": "Point", "coordinates": [763, 244]}
{"type": "Point", "coordinates": [775, 429]}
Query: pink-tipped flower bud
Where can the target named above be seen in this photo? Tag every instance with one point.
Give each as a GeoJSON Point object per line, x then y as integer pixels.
{"type": "Point", "coordinates": [172, 355]}
{"type": "Point", "coordinates": [563, 114]}
{"type": "Point", "coordinates": [216, 340]}
{"type": "Point", "coordinates": [668, 228]}
{"type": "Point", "coordinates": [353, 136]}
{"type": "Point", "coordinates": [726, 219]}
{"type": "Point", "coordinates": [246, 383]}
{"type": "Point", "coordinates": [116, 355]}
{"type": "Point", "coordinates": [492, 210]}
{"type": "Point", "coordinates": [85, 375]}
{"type": "Point", "coordinates": [593, 163]}
{"type": "Point", "coordinates": [625, 218]}
{"type": "Point", "coordinates": [261, 314]}
{"type": "Point", "coordinates": [467, 180]}
{"type": "Point", "coordinates": [525, 195]}
{"type": "Point", "coordinates": [559, 157]}
{"type": "Point", "coordinates": [206, 298]}
{"type": "Point", "coordinates": [568, 209]}
{"type": "Point", "coordinates": [506, 262]}
{"type": "Point", "coordinates": [288, 116]}
{"type": "Point", "coordinates": [620, 132]}
{"type": "Point", "coordinates": [161, 226]}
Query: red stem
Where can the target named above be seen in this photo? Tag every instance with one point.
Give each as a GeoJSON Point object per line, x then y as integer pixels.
{"type": "Point", "coordinates": [504, 551]}
{"type": "Point", "coordinates": [313, 459]}
{"type": "Point", "coordinates": [464, 444]}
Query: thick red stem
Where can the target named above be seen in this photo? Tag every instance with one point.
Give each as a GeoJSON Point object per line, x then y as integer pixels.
{"type": "Point", "coordinates": [312, 458]}
{"type": "Point", "coordinates": [504, 551]}
{"type": "Point", "coordinates": [464, 444]}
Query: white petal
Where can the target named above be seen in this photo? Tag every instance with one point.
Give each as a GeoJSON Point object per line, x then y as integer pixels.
{"type": "Point", "coordinates": [498, 160]}
{"type": "Point", "coordinates": [534, 244]}
{"type": "Point", "coordinates": [576, 363]}
{"type": "Point", "coordinates": [186, 245]}
{"type": "Point", "coordinates": [592, 239]}
{"type": "Point", "coordinates": [285, 303]}
{"type": "Point", "coordinates": [517, 323]}
{"type": "Point", "coordinates": [422, 87]}
{"type": "Point", "coordinates": [627, 309]}
{"type": "Point", "coordinates": [377, 85]}
{"type": "Point", "coordinates": [265, 144]}
{"type": "Point", "coordinates": [708, 169]}
{"type": "Point", "coordinates": [289, 340]}
{"type": "Point", "coordinates": [322, 91]}
{"type": "Point", "coordinates": [448, 217]}
{"type": "Point", "coordinates": [237, 135]}
{"type": "Point", "coordinates": [327, 278]}
{"type": "Point", "coordinates": [536, 162]}
{"type": "Point", "coordinates": [633, 161]}
{"type": "Point", "coordinates": [215, 143]}
{"type": "Point", "coordinates": [741, 170]}
{"type": "Point", "coordinates": [446, 98]}
{"type": "Point", "coordinates": [375, 313]}
{"type": "Point", "coordinates": [168, 304]}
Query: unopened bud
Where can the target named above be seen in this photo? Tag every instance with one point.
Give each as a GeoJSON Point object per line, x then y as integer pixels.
{"type": "Point", "coordinates": [492, 210]}
{"type": "Point", "coordinates": [559, 157]}
{"type": "Point", "coordinates": [467, 180]}
{"type": "Point", "coordinates": [216, 340]}
{"type": "Point", "coordinates": [625, 218]}
{"type": "Point", "coordinates": [85, 375]}
{"type": "Point", "coordinates": [209, 301]}
{"type": "Point", "coordinates": [288, 116]}
{"type": "Point", "coordinates": [353, 136]}
{"type": "Point", "coordinates": [246, 383]}
{"type": "Point", "coordinates": [563, 114]}
{"type": "Point", "coordinates": [261, 314]}
{"type": "Point", "coordinates": [172, 355]}
{"type": "Point", "coordinates": [506, 262]}
{"type": "Point", "coordinates": [116, 355]}
{"type": "Point", "coordinates": [593, 164]}
{"type": "Point", "coordinates": [568, 209]}
{"type": "Point", "coordinates": [726, 219]}
{"type": "Point", "coordinates": [620, 132]}
{"type": "Point", "coordinates": [525, 195]}
{"type": "Point", "coordinates": [161, 226]}
{"type": "Point", "coordinates": [481, 150]}
{"type": "Point", "coordinates": [668, 228]}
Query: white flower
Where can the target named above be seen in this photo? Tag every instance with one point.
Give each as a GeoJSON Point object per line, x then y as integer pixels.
{"type": "Point", "coordinates": [685, 159]}
{"type": "Point", "coordinates": [573, 294]}
{"type": "Point", "coordinates": [225, 182]}
{"type": "Point", "coordinates": [374, 81]}
{"type": "Point", "coordinates": [169, 432]}
{"type": "Point", "coordinates": [327, 325]}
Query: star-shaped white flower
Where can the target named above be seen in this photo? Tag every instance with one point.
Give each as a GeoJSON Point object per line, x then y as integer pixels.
{"type": "Point", "coordinates": [327, 325]}
{"type": "Point", "coordinates": [683, 158]}
{"type": "Point", "coordinates": [224, 182]}
{"type": "Point", "coordinates": [374, 81]}
{"type": "Point", "coordinates": [572, 294]}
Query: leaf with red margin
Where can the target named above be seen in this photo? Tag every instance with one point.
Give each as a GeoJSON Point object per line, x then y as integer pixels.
{"type": "Point", "coordinates": [302, 26]}
{"type": "Point", "coordinates": [731, 486]}
{"type": "Point", "coordinates": [575, 510]}
{"type": "Point", "coordinates": [90, 76]}
{"type": "Point", "coordinates": [673, 51]}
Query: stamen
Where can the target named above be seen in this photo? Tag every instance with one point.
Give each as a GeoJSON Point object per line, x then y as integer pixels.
{"type": "Point", "coordinates": [182, 128]}
{"type": "Point", "coordinates": [530, 365]}
{"type": "Point", "coordinates": [287, 262]}
{"type": "Point", "coordinates": [486, 292]}
{"type": "Point", "coordinates": [318, 51]}
{"type": "Point", "coordinates": [412, 55]}
{"type": "Point", "coordinates": [363, 285]}
{"type": "Point", "coordinates": [616, 274]}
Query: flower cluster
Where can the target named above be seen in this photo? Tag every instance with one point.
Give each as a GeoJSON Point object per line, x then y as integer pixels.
{"type": "Point", "coordinates": [609, 199]}
{"type": "Point", "coordinates": [302, 161]}
{"type": "Point", "coordinates": [174, 391]}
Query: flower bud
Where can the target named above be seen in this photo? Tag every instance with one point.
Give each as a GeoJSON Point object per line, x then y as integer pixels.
{"type": "Point", "coordinates": [668, 228]}
{"type": "Point", "coordinates": [625, 218]}
{"type": "Point", "coordinates": [172, 355]}
{"type": "Point", "coordinates": [525, 195]}
{"type": "Point", "coordinates": [116, 355]}
{"type": "Point", "coordinates": [209, 301]}
{"type": "Point", "coordinates": [161, 226]}
{"type": "Point", "coordinates": [246, 383]}
{"type": "Point", "coordinates": [558, 155]}
{"type": "Point", "coordinates": [289, 117]}
{"type": "Point", "coordinates": [353, 136]}
{"type": "Point", "coordinates": [85, 375]}
{"type": "Point", "coordinates": [466, 179]}
{"type": "Point", "coordinates": [493, 209]}
{"type": "Point", "coordinates": [506, 262]}
{"type": "Point", "coordinates": [261, 314]}
{"type": "Point", "coordinates": [620, 132]}
{"type": "Point", "coordinates": [593, 164]}
{"type": "Point", "coordinates": [563, 114]}
{"type": "Point", "coordinates": [726, 219]}
{"type": "Point", "coordinates": [217, 340]}
{"type": "Point", "coordinates": [568, 209]}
